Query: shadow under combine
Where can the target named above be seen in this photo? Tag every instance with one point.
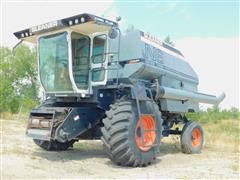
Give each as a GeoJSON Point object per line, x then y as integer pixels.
{"type": "Point", "coordinates": [80, 151]}
{"type": "Point", "coordinates": [94, 149]}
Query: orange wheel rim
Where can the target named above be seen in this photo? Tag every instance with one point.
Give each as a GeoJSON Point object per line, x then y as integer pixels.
{"type": "Point", "coordinates": [149, 133]}
{"type": "Point", "coordinates": [196, 137]}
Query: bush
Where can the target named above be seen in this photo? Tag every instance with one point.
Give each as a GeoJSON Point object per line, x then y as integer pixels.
{"type": "Point", "coordinates": [214, 114]}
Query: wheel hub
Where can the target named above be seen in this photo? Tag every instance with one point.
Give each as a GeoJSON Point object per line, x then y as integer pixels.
{"type": "Point", "coordinates": [145, 134]}
{"type": "Point", "coordinates": [196, 137]}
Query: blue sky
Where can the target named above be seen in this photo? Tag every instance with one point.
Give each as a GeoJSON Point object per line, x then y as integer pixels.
{"type": "Point", "coordinates": [181, 19]}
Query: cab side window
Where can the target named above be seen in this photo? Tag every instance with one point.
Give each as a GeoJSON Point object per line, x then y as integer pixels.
{"type": "Point", "coordinates": [99, 49]}
{"type": "Point", "coordinates": [80, 54]}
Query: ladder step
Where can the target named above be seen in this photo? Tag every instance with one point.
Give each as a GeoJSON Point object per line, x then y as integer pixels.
{"type": "Point", "coordinates": [153, 145]}
{"type": "Point", "coordinates": [144, 99]}
{"type": "Point", "coordinates": [148, 114]}
{"type": "Point", "coordinates": [149, 130]}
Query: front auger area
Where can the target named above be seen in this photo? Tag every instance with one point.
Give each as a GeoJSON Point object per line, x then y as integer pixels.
{"type": "Point", "coordinates": [130, 140]}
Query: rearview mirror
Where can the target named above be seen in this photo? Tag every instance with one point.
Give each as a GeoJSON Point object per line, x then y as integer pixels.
{"type": "Point", "coordinates": [112, 33]}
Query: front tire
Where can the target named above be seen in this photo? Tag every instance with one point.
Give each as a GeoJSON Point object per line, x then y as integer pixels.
{"type": "Point", "coordinates": [121, 131]}
{"type": "Point", "coordinates": [53, 145]}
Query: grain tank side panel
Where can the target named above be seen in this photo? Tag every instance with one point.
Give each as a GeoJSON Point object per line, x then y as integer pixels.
{"type": "Point", "coordinates": [157, 55]}
{"type": "Point", "coordinates": [158, 62]}
{"type": "Point", "coordinates": [134, 46]}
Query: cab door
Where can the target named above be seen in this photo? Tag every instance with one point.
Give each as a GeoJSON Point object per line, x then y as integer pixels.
{"type": "Point", "coordinates": [99, 60]}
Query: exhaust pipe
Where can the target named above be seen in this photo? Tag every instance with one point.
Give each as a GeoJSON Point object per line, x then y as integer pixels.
{"type": "Point", "coordinates": [178, 94]}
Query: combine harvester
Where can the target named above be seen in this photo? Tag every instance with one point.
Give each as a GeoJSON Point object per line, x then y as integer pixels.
{"type": "Point", "coordinates": [128, 90]}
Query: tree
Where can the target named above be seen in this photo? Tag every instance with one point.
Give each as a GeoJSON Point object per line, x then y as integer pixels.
{"type": "Point", "coordinates": [168, 40]}
{"type": "Point", "coordinates": [6, 89]}
{"type": "Point", "coordinates": [18, 85]}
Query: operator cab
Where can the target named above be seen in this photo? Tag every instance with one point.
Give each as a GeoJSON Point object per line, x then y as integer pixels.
{"type": "Point", "coordinates": [72, 53]}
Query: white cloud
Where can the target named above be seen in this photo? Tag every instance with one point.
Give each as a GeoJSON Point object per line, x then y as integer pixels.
{"type": "Point", "coordinates": [216, 61]}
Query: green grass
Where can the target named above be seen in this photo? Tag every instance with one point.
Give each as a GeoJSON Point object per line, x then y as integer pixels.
{"type": "Point", "coordinates": [214, 114]}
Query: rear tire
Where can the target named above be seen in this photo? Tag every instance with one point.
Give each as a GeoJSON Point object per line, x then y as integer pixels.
{"type": "Point", "coordinates": [192, 138]}
{"type": "Point", "coordinates": [53, 145]}
{"type": "Point", "coordinates": [119, 134]}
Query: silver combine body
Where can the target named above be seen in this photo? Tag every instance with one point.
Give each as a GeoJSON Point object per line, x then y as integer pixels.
{"type": "Point", "coordinates": [129, 89]}
{"type": "Point", "coordinates": [150, 58]}
{"type": "Point", "coordinates": [127, 57]}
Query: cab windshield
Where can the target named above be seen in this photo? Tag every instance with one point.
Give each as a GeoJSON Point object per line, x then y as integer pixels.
{"type": "Point", "coordinates": [53, 62]}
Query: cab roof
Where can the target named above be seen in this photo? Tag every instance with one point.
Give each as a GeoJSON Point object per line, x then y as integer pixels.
{"type": "Point", "coordinates": [73, 22]}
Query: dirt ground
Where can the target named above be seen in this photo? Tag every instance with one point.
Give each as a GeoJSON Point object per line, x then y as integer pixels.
{"type": "Point", "coordinates": [22, 159]}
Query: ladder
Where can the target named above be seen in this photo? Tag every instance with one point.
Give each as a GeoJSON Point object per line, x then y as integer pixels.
{"type": "Point", "coordinates": [139, 98]}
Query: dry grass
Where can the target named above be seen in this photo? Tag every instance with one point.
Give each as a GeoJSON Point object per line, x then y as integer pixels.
{"type": "Point", "coordinates": [223, 134]}
{"type": "Point", "coordinates": [6, 115]}
{"type": "Point", "coordinates": [21, 118]}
